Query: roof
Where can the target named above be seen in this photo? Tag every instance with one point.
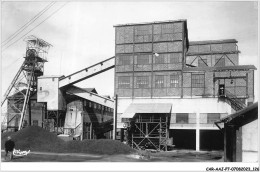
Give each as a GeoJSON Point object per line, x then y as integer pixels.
{"type": "Point", "coordinates": [218, 68]}
{"type": "Point", "coordinates": [51, 76]}
{"type": "Point", "coordinates": [75, 89]}
{"type": "Point", "coordinates": [134, 108]}
{"type": "Point", "coordinates": [243, 116]}
{"type": "Point", "coordinates": [213, 42]}
{"type": "Point", "coordinates": [211, 53]}
{"type": "Point", "coordinates": [93, 90]}
{"type": "Point", "coordinates": [147, 23]}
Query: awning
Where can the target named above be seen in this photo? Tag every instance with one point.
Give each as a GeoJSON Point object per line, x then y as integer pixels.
{"type": "Point", "coordinates": [134, 108]}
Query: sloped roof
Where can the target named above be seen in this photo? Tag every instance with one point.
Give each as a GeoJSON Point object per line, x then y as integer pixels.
{"type": "Point", "coordinates": [93, 90]}
{"type": "Point", "coordinates": [243, 116]}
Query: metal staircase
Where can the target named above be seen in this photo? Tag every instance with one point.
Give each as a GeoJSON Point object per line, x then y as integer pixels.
{"type": "Point", "coordinates": [233, 101]}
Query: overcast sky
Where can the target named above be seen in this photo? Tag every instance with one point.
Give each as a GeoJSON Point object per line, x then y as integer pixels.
{"type": "Point", "coordinates": [82, 33]}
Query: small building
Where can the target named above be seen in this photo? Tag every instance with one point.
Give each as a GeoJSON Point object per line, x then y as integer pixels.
{"type": "Point", "coordinates": [241, 135]}
{"type": "Point", "coordinates": [35, 113]}
{"type": "Point", "coordinates": [78, 117]}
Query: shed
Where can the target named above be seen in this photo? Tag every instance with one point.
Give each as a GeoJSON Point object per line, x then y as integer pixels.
{"type": "Point", "coordinates": [241, 135]}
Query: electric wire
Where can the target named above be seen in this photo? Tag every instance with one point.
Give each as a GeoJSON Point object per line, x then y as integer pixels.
{"type": "Point", "coordinates": [27, 24]}
{"type": "Point", "coordinates": [36, 26]}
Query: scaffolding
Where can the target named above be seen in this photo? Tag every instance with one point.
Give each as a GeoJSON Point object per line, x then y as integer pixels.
{"type": "Point", "coordinates": [148, 131]}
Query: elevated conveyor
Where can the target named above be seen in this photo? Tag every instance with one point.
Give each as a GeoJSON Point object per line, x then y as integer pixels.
{"type": "Point", "coordinates": [87, 72]}
{"type": "Point", "coordinates": [90, 96]}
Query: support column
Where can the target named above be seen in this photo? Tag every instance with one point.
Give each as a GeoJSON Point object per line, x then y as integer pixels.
{"type": "Point", "coordinates": [197, 131]}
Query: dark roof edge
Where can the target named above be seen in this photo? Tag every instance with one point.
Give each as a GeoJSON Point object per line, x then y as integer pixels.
{"type": "Point", "coordinates": [238, 113]}
{"type": "Point", "coordinates": [147, 23]}
{"type": "Point", "coordinates": [213, 41]}
{"type": "Point", "coordinates": [239, 67]}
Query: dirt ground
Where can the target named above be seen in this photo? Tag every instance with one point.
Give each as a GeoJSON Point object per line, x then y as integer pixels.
{"type": "Point", "coordinates": [144, 156]}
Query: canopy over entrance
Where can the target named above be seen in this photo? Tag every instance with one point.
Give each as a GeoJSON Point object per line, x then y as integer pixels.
{"type": "Point", "coordinates": [134, 108]}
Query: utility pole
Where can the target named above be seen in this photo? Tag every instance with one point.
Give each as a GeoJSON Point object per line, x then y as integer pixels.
{"type": "Point", "coordinates": [115, 119]}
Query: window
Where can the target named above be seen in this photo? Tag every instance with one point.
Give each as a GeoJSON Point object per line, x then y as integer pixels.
{"type": "Point", "coordinates": [159, 59]}
{"type": "Point", "coordinates": [35, 122]}
{"type": "Point", "coordinates": [143, 59]}
{"type": "Point", "coordinates": [212, 117]}
{"type": "Point", "coordinates": [125, 60]}
{"type": "Point", "coordinates": [124, 82]}
{"type": "Point", "coordinates": [90, 104]}
{"type": "Point", "coordinates": [159, 81]}
{"type": "Point", "coordinates": [197, 80]}
{"type": "Point", "coordinates": [142, 82]}
{"type": "Point", "coordinates": [220, 61]}
{"type": "Point", "coordinates": [202, 62]}
{"type": "Point", "coordinates": [174, 80]}
{"type": "Point", "coordinates": [182, 118]}
{"type": "Point", "coordinates": [175, 58]}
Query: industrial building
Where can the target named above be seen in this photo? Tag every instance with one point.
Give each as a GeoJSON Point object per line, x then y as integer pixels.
{"type": "Point", "coordinates": [171, 91]}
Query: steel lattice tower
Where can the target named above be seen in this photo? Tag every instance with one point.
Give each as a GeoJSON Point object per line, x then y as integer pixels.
{"type": "Point", "coordinates": [24, 84]}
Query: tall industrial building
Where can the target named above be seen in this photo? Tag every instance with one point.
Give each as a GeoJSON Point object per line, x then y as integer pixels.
{"type": "Point", "coordinates": [171, 91]}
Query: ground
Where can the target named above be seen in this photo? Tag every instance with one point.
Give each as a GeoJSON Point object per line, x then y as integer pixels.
{"type": "Point", "coordinates": [144, 156]}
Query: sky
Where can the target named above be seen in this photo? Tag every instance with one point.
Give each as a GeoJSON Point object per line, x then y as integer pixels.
{"type": "Point", "coordinates": [82, 33]}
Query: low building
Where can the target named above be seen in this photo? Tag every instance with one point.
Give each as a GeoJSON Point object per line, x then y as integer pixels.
{"type": "Point", "coordinates": [241, 135]}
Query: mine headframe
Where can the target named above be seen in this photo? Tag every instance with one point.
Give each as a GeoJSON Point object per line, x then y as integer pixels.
{"type": "Point", "coordinates": [24, 84]}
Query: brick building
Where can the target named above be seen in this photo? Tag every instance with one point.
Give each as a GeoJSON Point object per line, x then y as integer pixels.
{"type": "Point", "coordinates": [171, 91]}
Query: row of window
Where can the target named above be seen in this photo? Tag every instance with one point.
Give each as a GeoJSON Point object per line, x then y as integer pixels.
{"type": "Point", "coordinates": [99, 107]}
{"type": "Point", "coordinates": [35, 123]}
{"type": "Point", "coordinates": [197, 81]}
{"type": "Point", "coordinates": [183, 118]}
{"type": "Point", "coordinates": [144, 59]}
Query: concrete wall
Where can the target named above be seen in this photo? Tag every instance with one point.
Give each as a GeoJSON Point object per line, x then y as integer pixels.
{"type": "Point", "coordinates": [250, 146]}
{"type": "Point", "coordinates": [48, 91]}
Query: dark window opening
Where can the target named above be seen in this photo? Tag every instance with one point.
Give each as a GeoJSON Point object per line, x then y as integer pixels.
{"type": "Point", "coordinates": [213, 117]}
{"type": "Point", "coordinates": [197, 80]}
{"type": "Point", "coordinates": [142, 82]}
{"type": "Point", "coordinates": [182, 118]}
{"type": "Point", "coordinates": [159, 81]}
{"type": "Point", "coordinates": [174, 80]}
{"type": "Point", "coordinates": [124, 82]}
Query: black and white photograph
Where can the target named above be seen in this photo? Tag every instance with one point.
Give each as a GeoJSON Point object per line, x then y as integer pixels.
{"type": "Point", "coordinates": [129, 85]}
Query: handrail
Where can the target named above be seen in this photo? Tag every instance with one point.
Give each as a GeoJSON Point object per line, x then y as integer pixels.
{"type": "Point", "coordinates": [231, 96]}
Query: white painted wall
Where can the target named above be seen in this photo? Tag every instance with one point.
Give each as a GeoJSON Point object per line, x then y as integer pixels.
{"type": "Point", "coordinates": [250, 146]}
{"type": "Point", "coordinates": [198, 106]}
